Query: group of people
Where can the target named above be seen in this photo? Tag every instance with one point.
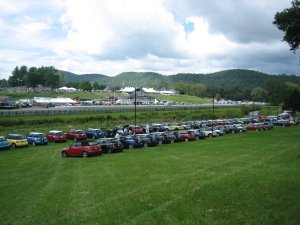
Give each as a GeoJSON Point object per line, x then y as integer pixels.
{"type": "Point", "coordinates": [128, 131]}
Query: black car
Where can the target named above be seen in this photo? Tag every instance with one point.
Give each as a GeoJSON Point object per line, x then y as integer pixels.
{"type": "Point", "coordinates": [110, 145]}
{"type": "Point", "coordinates": [149, 141]}
{"type": "Point", "coordinates": [157, 128]}
{"type": "Point", "coordinates": [163, 137]}
{"type": "Point", "coordinates": [177, 136]}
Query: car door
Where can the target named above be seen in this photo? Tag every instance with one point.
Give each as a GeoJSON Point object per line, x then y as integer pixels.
{"type": "Point", "coordinates": [75, 149]}
{"type": "Point", "coordinates": [103, 145]}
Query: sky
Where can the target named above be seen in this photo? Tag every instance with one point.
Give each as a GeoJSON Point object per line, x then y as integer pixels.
{"type": "Point", "coordinates": [164, 36]}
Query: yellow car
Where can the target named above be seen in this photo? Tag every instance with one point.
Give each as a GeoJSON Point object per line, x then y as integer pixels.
{"type": "Point", "coordinates": [176, 126]}
{"type": "Point", "coordinates": [17, 140]}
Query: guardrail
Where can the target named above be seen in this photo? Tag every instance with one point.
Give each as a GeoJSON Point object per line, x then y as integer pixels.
{"type": "Point", "coordinates": [102, 109]}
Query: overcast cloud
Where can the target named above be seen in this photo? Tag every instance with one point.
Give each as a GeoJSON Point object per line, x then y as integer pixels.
{"type": "Point", "coordinates": [164, 36]}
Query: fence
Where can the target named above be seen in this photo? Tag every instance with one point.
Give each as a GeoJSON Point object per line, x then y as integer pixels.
{"type": "Point", "coordinates": [101, 109]}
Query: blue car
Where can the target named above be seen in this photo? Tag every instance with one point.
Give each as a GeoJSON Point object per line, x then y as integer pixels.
{"type": "Point", "coordinates": [95, 133]}
{"type": "Point", "coordinates": [282, 123]}
{"type": "Point", "coordinates": [197, 132]}
{"type": "Point", "coordinates": [4, 144]}
{"type": "Point", "coordinates": [36, 138]}
{"type": "Point", "coordinates": [131, 142]}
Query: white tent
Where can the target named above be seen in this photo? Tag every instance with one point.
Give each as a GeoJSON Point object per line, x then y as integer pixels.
{"type": "Point", "coordinates": [149, 90]}
{"type": "Point", "coordinates": [54, 101]}
{"type": "Point", "coordinates": [127, 89]}
{"type": "Point", "coordinates": [167, 92]}
{"type": "Point", "coordinates": [67, 89]}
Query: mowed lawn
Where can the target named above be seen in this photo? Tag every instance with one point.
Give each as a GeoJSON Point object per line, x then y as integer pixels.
{"type": "Point", "coordinates": [248, 178]}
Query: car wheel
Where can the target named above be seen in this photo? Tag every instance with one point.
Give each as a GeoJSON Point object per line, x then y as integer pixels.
{"type": "Point", "coordinates": [84, 154]}
{"type": "Point", "coordinates": [33, 143]}
{"type": "Point", "coordinates": [64, 154]}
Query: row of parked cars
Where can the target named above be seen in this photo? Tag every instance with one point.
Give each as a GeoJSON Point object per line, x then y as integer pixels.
{"type": "Point", "coordinates": [95, 141]}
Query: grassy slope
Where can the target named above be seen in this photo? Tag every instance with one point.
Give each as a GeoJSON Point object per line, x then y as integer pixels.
{"type": "Point", "coordinates": [249, 178]}
{"type": "Point", "coordinates": [182, 98]}
{"type": "Point", "coordinates": [82, 95]}
{"type": "Point", "coordinates": [26, 124]}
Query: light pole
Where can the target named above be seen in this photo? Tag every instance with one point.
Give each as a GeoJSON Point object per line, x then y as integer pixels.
{"type": "Point", "coordinates": [213, 114]}
{"type": "Point", "coordinates": [134, 107]}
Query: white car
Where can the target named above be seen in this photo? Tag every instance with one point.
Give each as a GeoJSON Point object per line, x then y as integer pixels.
{"type": "Point", "coordinates": [209, 132]}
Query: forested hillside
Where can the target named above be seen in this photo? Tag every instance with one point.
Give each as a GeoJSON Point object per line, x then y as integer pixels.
{"type": "Point", "coordinates": [227, 79]}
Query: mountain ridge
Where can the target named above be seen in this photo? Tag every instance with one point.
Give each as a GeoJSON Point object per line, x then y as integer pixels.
{"type": "Point", "coordinates": [226, 79]}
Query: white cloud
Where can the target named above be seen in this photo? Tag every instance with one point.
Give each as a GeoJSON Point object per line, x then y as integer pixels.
{"type": "Point", "coordinates": [118, 29]}
{"type": "Point", "coordinates": [113, 36]}
{"type": "Point", "coordinates": [202, 43]}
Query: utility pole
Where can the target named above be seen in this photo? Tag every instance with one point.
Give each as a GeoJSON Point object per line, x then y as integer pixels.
{"type": "Point", "coordinates": [135, 107]}
{"type": "Point", "coordinates": [213, 114]}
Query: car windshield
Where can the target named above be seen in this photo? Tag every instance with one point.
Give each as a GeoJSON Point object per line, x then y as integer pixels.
{"type": "Point", "coordinates": [77, 132]}
{"type": "Point", "coordinates": [57, 133]}
{"type": "Point", "coordinates": [95, 130]}
{"type": "Point", "coordinates": [2, 139]}
{"type": "Point", "coordinates": [18, 137]}
{"type": "Point", "coordinates": [38, 135]}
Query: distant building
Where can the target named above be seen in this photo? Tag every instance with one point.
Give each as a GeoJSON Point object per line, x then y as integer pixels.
{"type": "Point", "coordinates": [141, 98]}
{"type": "Point", "coordinates": [7, 103]}
{"type": "Point", "coordinates": [67, 89]}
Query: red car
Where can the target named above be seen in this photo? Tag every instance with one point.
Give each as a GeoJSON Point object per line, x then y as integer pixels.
{"type": "Point", "coordinates": [256, 126]}
{"type": "Point", "coordinates": [56, 136]}
{"type": "Point", "coordinates": [76, 135]}
{"type": "Point", "coordinates": [135, 129]}
{"type": "Point", "coordinates": [83, 149]}
{"type": "Point", "coordinates": [187, 136]}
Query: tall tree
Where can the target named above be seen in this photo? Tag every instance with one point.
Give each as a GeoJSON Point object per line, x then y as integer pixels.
{"type": "Point", "coordinates": [289, 22]}
{"type": "Point", "coordinates": [4, 83]}
{"type": "Point", "coordinates": [258, 94]}
{"type": "Point", "coordinates": [18, 76]}
{"type": "Point", "coordinates": [85, 85]}
{"type": "Point", "coordinates": [277, 91]}
{"type": "Point", "coordinates": [292, 101]}
{"type": "Point", "coordinates": [33, 79]}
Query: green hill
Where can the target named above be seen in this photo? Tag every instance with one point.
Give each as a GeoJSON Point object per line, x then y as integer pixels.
{"type": "Point", "coordinates": [224, 79]}
{"type": "Point", "coordinates": [72, 77]}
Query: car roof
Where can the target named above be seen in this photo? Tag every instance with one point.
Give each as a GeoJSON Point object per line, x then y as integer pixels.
{"type": "Point", "coordinates": [35, 133]}
{"type": "Point", "coordinates": [16, 134]}
{"type": "Point", "coordinates": [55, 131]}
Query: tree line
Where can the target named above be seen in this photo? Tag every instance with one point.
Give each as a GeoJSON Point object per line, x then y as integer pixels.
{"type": "Point", "coordinates": [32, 77]}
{"type": "Point", "coordinates": [274, 91]}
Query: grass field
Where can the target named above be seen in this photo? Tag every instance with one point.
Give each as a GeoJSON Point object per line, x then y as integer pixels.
{"type": "Point", "coordinates": [251, 178]}
{"type": "Point", "coordinates": [43, 123]}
